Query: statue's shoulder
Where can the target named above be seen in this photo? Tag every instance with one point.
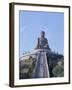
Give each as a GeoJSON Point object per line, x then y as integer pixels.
{"type": "Point", "coordinates": [38, 38]}
{"type": "Point", "coordinates": [46, 39]}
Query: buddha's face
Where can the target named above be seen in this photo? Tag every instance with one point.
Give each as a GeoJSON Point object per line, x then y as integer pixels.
{"type": "Point", "coordinates": [42, 34]}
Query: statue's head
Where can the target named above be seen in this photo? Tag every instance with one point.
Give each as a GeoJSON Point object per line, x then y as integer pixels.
{"type": "Point", "coordinates": [42, 34]}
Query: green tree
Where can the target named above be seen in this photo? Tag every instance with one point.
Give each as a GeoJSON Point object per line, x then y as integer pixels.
{"type": "Point", "coordinates": [58, 71]}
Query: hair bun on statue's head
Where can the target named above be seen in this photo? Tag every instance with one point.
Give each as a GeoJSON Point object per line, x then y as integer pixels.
{"type": "Point", "coordinates": [43, 32]}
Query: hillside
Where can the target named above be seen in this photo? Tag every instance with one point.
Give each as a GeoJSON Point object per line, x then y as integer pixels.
{"type": "Point", "coordinates": [55, 63]}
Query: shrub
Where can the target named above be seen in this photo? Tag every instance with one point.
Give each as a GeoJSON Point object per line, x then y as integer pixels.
{"type": "Point", "coordinates": [58, 71]}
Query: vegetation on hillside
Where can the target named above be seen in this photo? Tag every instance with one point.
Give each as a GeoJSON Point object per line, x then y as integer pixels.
{"type": "Point", "coordinates": [55, 64]}
{"type": "Point", "coordinates": [26, 68]}
{"type": "Point", "coordinates": [58, 71]}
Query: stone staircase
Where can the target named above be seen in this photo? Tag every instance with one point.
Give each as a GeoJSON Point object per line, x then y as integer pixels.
{"type": "Point", "coordinates": [41, 69]}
